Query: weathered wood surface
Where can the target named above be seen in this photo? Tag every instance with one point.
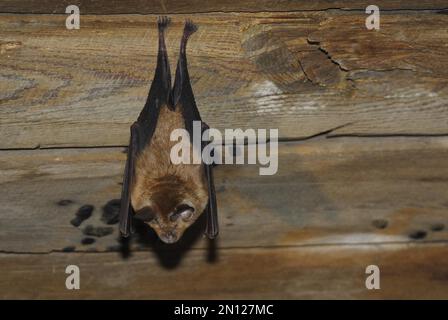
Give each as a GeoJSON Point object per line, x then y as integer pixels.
{"type": "Point", "coordinates": [327, 191]}
{"type": "Point", "coordinates": [301, 72]}
{"type": "Point", "coordinates": [336, 205]}
{"type": "Point", "coordinates": [407, 271]}
{"type": "Point", "coordinates": [195, 6]}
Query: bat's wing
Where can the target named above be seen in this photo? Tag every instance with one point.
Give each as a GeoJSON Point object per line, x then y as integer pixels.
{"type": "Point", "coordinates": [211, 228]}
{"type": "Point", "coordinates": [183, 95]}
{"type": "Point", "coordinates": [126, 210]}
{"type": "Point", "coordinates": [143, 130]}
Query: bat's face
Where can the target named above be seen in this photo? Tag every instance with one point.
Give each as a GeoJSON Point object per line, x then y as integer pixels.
{"type": "Point", "coordinates": [170, 210]}
{"type": "Point", "coordinates": [170, 227]}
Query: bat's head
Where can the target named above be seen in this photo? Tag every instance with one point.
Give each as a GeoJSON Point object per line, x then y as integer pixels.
{"type": "Point", "coordinates": [170, 207]}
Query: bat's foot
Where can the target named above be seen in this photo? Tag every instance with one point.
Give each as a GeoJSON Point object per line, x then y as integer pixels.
{"type": "Point", "coordinates": [163, 22]}
{"type": "Point", "coordinates": [189, 28]}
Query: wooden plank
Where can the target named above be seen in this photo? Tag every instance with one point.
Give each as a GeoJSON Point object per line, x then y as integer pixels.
{"type": "Point", "coordinates": [327, 191]}
{"type": "Point", "coordinates": [407, 272]}
{"type": "Point", "coordinates": [303, 73]}
{"type": "Point", "coordinates": [195, 6]}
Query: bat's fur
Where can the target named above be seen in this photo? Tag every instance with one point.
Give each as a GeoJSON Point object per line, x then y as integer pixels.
{"type": "Point", "coordinates": [168, 197]}
{"type": "Point", "coordinates": [163, 186]}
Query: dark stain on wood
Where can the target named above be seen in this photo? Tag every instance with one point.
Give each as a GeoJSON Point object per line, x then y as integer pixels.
{"type": "Point", "coordinates": [64, 202]}
{"type": "Point", "coordinates": [83, 213]}
{"type": "Point", "coordinates": [111, 212]}
{"type": "Point", "coordinates": [69, 249]}
{"type": "Point", "coordinates": [97, 231]}
{"type": "Point", "coordinates": [418, 234]}
{"type": "Point", "coordinates": [380, 223]}
{"type": "Point", "coordinates": [437, 227]}
{"type": "Point", "coordinates": [87, 241]}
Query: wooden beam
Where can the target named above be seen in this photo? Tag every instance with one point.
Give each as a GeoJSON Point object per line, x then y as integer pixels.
{"type": "Point", "coordinates": [303, 73]}
{"type": "Point", "coordinates": [328, 191]}
{"type": "Point", "coordinates": [195, 6]}
{"type": "Point", "coordinates": [406, 272]}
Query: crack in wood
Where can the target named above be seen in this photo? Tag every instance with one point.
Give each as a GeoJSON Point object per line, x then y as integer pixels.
{"type": "Point", "coordinates": [230, 248]}
{"type": "Point", "coordinates": [318, 43]}
{"type": "Point", "coordinates": [328, 134]}
{"type": "Point", "coordinates": [435, 10]}
{"type": "Point", "coordinates": [305, 73]}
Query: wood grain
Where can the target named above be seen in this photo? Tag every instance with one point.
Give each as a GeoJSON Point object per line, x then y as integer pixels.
{"type": "Point", "coordinates": [195, 6]}
{"type": "Point", "coordinates": [407, 272]}
{"type": "Point", "coordinates": [303, 73]}
{"type": "Point", "coordinates": [308, 68]}
{"type": "Point", "coordinates": [327, 191]}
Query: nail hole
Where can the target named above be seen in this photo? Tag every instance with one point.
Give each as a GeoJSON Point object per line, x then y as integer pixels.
{"type": "Point", "coordinates": [417, 234]}
{"type": "Point", "coordinates": [380, 223]}
{"type": "Point", "coordinates": [64, 202]}
{"type": "Point", "coordinates": [87, 241]}
{"type": "Point", "coordinates": [437, 227]}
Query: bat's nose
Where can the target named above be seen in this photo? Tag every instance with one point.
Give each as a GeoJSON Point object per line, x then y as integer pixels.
{"type": "Point", "coordinates": [169, 237]}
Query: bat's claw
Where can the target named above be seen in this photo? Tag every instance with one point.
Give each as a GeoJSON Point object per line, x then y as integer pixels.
{"type": "Point", "coordinates": [189, 28]}
{"type": "Point", "coordinates": [163, 22]}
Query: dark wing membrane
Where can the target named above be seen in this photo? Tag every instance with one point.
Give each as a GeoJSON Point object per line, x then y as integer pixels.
{"type": "Point", "coordinates": [143, 130]}
{"type": "Point", "coordinates": [211, 228]}
{"type": "Point", "coordinates": [126, 210]}
{"type": "Point", "coordinates": [183, 95]}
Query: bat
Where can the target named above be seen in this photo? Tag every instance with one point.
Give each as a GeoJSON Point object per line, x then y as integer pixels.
{"type": "Point", "coordinates": [168, 197]}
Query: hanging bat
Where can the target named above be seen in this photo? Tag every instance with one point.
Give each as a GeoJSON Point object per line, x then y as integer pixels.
{"type": "Point", "coordinates": [168, 197]}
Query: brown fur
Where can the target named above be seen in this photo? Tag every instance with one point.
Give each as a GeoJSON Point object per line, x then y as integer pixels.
{"type": "Point", "coordinates": [163, 185]}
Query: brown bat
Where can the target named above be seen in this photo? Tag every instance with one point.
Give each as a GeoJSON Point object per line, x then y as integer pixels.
{"type": "Point", "coordinates": [168, 197]}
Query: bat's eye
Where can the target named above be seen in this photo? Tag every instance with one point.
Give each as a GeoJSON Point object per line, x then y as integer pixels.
{"type": "Point", "coordinates": [184, 211]}
{"type": "Point", "coordinates": [145, 214]}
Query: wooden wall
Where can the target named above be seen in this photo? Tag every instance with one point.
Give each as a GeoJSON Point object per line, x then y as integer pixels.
{"type": "Point", "coordinates": [362, 118]}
